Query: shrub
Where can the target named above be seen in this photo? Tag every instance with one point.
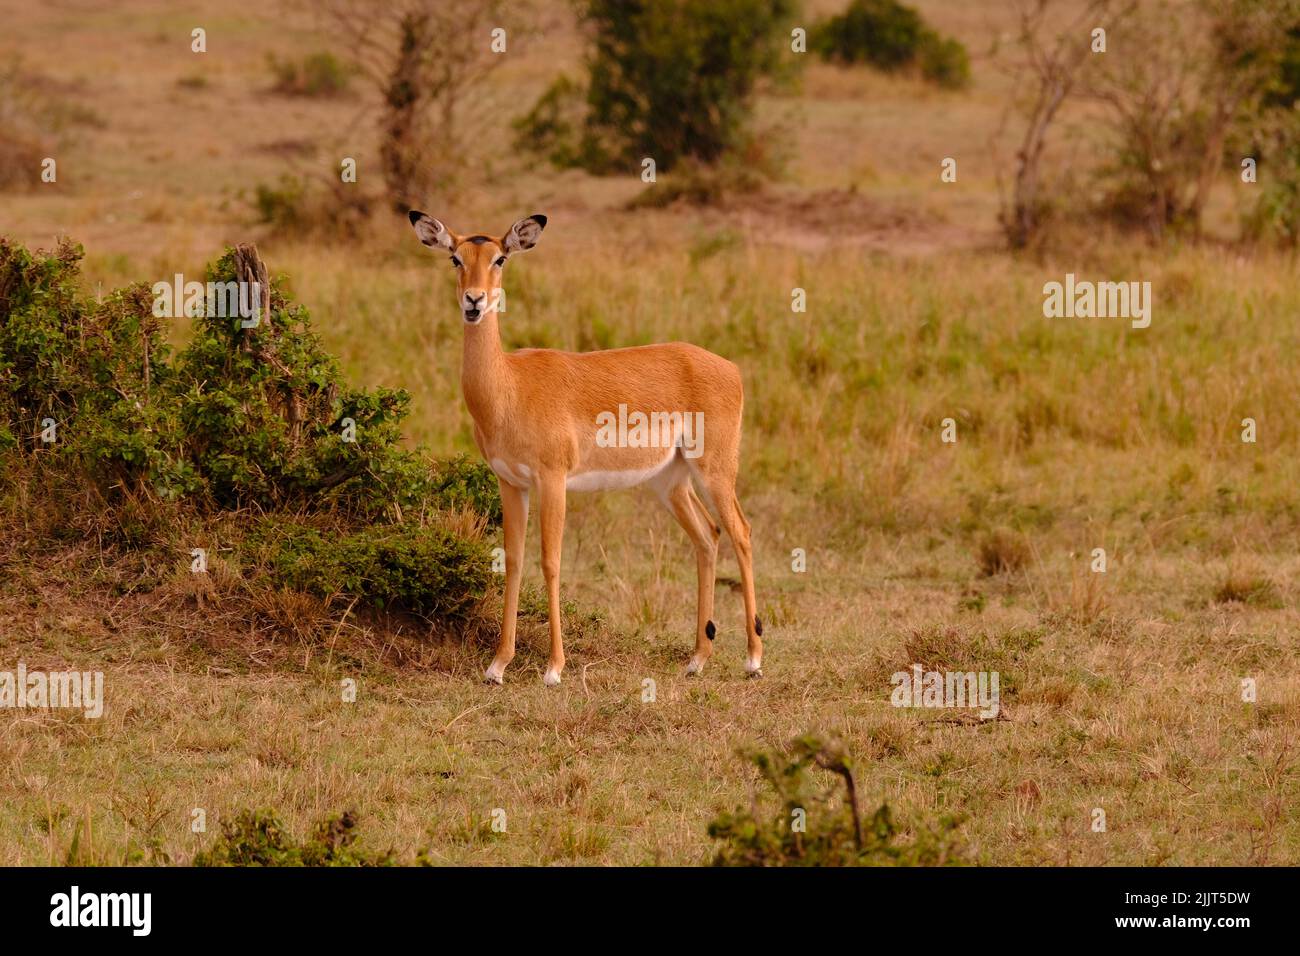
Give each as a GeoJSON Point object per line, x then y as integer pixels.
{"type": "Point", "coordinates": [1276, 216]}
{"type": "Point", "coordinates": [461, 482]}
{"type": "Point", "coordinates": [884, 33]}
{"type": "Point", "coordinates": [944, 61]}
{"type": "Point", "coordinates": [1274, 140]}
{"type": "Point", "coordinates": [672, 80]}
{"type": "Point", "coordinates": [964, 647]}
{"type": "Point", "coordinates": [1002, 552]}
{"type": "Point", "coordinates": [318, 74]}
{"type": "Point", "coordinates": [426, 570]}
{"type": "Point", "coordinates": [242, 418]}
{"type": "Point", "coordinates": [1221, 71]}
{"type": "Point", "coordinates": [258, 838]}
{"type": "Point", "coordinates": [828, 834]}
{"type": "Point", "coordinates": [1246, 586]}
{"type": "Point", "coordinates": [553, 127]}
{"type": "Point", "coordinates": [20, 161]}
{"type": "Point", "coordinates": [699, 185]}
{"type": "Point", "coordinates": [63, 358]}
{"type": "Point", "coordinates": [280, 205]}
{"type": "Point", "coordinates": [296, 205]}
{"type": "Point", "coordinates": [890, 36]}
{"type": "Point", "coordinates": [263, 413]}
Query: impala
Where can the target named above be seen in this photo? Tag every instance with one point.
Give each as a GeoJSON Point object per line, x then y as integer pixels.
{"type": "Point", "coordinates": [545, 422]}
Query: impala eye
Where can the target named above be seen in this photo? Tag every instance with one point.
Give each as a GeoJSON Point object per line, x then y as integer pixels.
{"type": "Point", "coordinates": [500, 262]}
{"type": "Point", "coordinates": [456, 262]}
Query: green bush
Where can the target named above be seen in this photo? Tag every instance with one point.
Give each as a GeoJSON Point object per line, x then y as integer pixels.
{"type": "Point", "coordinates": [944, 61]}
{"type": "Point", "coordinates": [1283, 89]}
{"type": "Point", "coordinates": [1273, 138]}
{"type": "Point", "coordinates": [241, 417]}
{"type": "Point", "coordinates": [883, 33]}
{"type": "Point", "coordinates": [671, 80]}
{"type": "Point", "coordinates": [258, 838]}
{"type": "Point", "coordinates": [299, 206]}
{"type": "Point", "coordinates": [427, 570]}
{"type": "Point", "coordinates": [318, 74]}
{"type": "Point", "coordinates": [1275, 217]}
{"type": "Point", "coordinates": [255, 418]}
{"type": "Point", "coordinates": [464, 483]}
{"type": "Point", "coordinates": [808, 828]}
{"type": "Point", "coordinates": [553, 127]}
{"type": "Point", "coordinates": [891, 36]}
{"type": "Point", "coordinates": [281, 205]}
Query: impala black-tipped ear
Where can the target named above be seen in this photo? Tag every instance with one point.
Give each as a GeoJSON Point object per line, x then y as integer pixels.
{"type": "Point", "coordinates": [524, 234]}
{"type": "Point", "coordinates": [430, 231]}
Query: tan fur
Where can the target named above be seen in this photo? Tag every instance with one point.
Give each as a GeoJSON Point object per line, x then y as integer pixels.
{"type": "Point", "coordinates": [535, 421]}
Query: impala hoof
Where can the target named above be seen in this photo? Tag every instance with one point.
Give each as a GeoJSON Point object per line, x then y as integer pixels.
{"type": "Point", "coordinates": [753, 670]}
{"type": "Point", "coordinates": [696, 666]}
{"type": "Point", "coordinates": [494, 675]}
{"type": "Point", "coordinates": [551, 678]}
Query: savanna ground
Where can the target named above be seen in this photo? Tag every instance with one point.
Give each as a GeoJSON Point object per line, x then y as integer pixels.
{"type": "Point", "coordinates": [1121, 691]}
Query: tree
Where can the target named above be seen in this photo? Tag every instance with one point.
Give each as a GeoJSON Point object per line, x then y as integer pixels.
{"type": "Point", "coordinates": [1172, 109]}
{"type": "Point", "coordinates": [427, 59]}
{"type": "Point", "coordinates": [1045, 76]}
{"type": "Point", "coordinates": [671, 80]}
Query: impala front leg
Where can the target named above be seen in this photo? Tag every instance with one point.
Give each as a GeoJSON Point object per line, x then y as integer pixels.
{"type": "Point", "coordinates": [552, 489]}
{"type": "Point", "coordinates": [514, 524]}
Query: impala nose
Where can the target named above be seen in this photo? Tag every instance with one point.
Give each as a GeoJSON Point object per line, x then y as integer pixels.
{"type": "Point", "coordinates": [473, 304]}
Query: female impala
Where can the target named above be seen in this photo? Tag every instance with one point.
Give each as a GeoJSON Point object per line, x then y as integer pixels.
{"type": "Point", "coordinates": [544, 420]}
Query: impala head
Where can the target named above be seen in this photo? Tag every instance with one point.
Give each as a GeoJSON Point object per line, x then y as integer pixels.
{"type": "Point", "coordinates": [478, 260]}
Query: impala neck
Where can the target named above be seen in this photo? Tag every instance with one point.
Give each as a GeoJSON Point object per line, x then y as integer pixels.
{"type": "Point", "coordinates": [484, 375]}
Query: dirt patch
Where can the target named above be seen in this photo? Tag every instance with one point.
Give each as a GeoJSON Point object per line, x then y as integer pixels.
{"type": "Point", "coordinates": [814, 221]}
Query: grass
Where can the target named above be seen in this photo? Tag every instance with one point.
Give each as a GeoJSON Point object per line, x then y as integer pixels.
{"type": "Point", "coordinates": [1127, 698]}
{"type": "Point", "coordinates": [1121, 689]}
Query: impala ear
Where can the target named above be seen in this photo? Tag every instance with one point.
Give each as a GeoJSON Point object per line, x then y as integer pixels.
{"type": "Point", "coordinates": [431, 232]}
{"type": "Point", "coordinates": [524, 234]}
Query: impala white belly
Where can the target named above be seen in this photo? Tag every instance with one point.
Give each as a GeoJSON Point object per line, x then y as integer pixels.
{"type": "Point", "coordinates": [622, 478]}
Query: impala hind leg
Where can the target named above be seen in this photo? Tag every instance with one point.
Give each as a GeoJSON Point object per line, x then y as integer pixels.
{"type": "Point", "coordinates": [552, 488]}
{"type": "Point", "coordinates": [721, 486]}
{"type": "Point", "coordinates": [514, 524]}
{"type": "Point", "coordinates": [680, 499]}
